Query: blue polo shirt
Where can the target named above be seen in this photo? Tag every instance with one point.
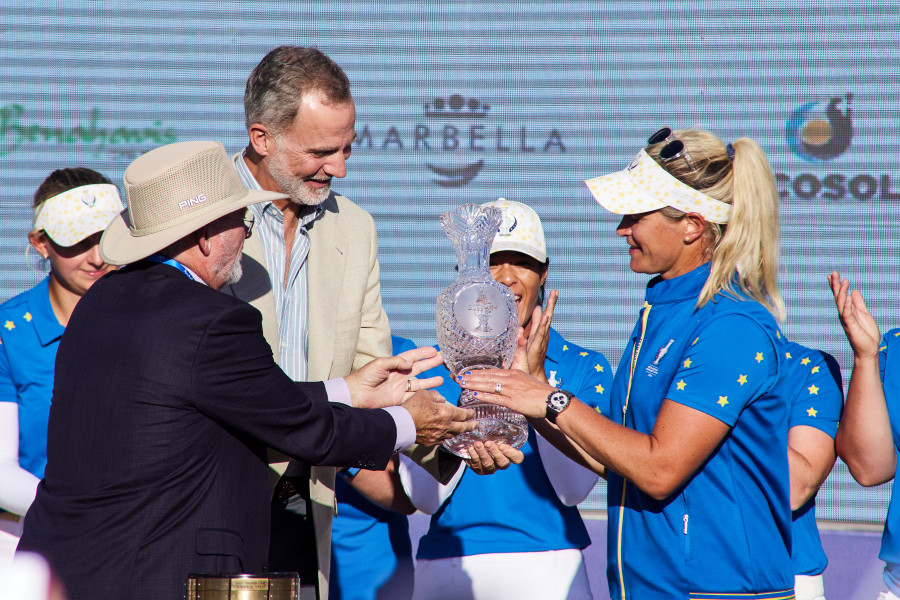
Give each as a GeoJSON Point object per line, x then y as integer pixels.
{"type": "Point", "coordinates": [517, 510]}
{"type": "Point", "coordinates": [29, 337]}
{"type": "Point", "coordinates": [371, 553]}
{"type": "Point", "coordinates": [889, 361]}
{"type": "Point", "coordinates": [812, 384]}
{"type": "Point", "coordinates": [727, 532]}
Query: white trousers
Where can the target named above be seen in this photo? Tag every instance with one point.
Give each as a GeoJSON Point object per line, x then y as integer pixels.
{"type": "Point", "coordinates": [809, 587]}
{"type": "Point", "coordinates": [552, 575]}
{"type": "Point", "coordinates": [10, 532]}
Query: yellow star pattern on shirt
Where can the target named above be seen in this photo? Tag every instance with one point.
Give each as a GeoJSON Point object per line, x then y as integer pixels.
{"type": "Point", "coordinates": [599, 388]}
{"type": "Point", "coordinates": [27, 316]}
{"type": "Point", "coordinates": [882, 348]}
{"type": "Point", "coordinates": [787, 355]}
{"type": "Point", "coordinates": [723, 400]}
{"type": "Point", "coordinates": [583, 354]}
{"type": "Point", "coordinates": [681, 385]}
{"type": "Point", "coordinates": [813, 390]}
{"type": "Point", "coordinates": [597, 408]}
{"type": "Point", "coordinates": [565, 347]}
{"type": "Point", "coordinates": [10, 325]}
{"type": "Point", "coordinates": [687, 363]}
{"type": "Point", "coordinates": [759, 357]}
{"type": "Point", "coordinates": [812, 411]}
{"type": "Point", "coordinates": [598, 367]}
{"type": "Point", "coordinates": [815, 369]}
{"type": "Point", "coordinates": [742, 379]}
{"type": "Point", "coordinates": [695, 341]}
{"type": "Point", "coordinates": [805, 361]}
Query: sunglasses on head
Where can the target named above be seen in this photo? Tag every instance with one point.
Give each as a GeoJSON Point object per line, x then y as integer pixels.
{"type": "Point", "coordinates": [674, 149]}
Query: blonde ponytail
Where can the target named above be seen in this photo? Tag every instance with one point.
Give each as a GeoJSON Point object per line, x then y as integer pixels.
{"type": "Point", "coordinates": [745, 252]}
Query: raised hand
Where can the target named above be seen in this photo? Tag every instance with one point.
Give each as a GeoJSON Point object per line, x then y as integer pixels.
{"type": "Point", "coordinates": [436, 419]}
{"type": "Point", "coordinates": [539, 336]}
{"type": "Point", "coordinates": [859, 325]}
{"type": "Point", "coordinates": [389, 381]}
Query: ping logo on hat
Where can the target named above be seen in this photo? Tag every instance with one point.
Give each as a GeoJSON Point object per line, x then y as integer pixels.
{"type": "Point", "coordinates": [198, 199]}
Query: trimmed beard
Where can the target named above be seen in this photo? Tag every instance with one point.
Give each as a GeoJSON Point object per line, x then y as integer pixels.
{"type": "Point", "coordinates": [231, 273]}
{"type": "Point", "coordinates": [294, 186]}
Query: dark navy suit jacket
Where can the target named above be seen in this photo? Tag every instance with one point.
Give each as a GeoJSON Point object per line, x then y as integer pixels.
{"type": "Point", "coordinates": [165, 398]}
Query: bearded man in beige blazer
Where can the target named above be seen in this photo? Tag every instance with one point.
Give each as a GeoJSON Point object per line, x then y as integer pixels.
{"type": "Point", "coordinates": [312, 271]}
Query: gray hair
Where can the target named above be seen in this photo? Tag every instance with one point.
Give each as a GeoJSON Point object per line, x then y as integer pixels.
{"type": "Point", "coordinates": [283, 76]}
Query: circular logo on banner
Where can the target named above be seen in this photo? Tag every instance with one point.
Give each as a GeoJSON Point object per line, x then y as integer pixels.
{"type": "Point", "coordinates": [816, 135]}
{"type": "Point", "coordinates": [482, 311]}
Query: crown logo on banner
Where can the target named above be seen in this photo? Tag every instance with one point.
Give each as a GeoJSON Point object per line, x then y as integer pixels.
{"type": "Point", "coordinates": [457, 107]}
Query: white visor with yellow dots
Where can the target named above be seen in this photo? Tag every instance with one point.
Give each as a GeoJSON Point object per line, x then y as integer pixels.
{"type": "Point", "coordinates": [645, 186]}
{"type": "Point", "coordinates": [78, 213]}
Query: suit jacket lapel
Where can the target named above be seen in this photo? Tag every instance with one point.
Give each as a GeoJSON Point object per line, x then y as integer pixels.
{"type": "Point", "coordinates": [327, 257]}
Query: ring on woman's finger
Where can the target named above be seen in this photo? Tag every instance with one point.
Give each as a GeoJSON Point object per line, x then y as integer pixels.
{"type": "Point", "coordinates": [498, 387]}
{"type": "Point", "coordinates": [409, 385]}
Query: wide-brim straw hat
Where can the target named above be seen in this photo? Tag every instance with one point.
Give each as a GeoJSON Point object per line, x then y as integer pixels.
{"type": "Point", "coordinates": [171, 192]}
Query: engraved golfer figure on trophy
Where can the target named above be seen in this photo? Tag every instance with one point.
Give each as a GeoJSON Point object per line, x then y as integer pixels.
{"type": "Point", "coordinates": [477, 324]}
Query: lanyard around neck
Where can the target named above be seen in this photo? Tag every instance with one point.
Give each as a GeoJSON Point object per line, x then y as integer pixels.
{"type": "Point", "coordinates": [164, 260]}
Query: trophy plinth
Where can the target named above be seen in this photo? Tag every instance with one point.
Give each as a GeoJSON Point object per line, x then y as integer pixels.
{"type": "Point", "coordinates": [477, 325]}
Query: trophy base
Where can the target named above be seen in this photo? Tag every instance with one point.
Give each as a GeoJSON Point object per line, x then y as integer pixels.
{"type": "Point", "coordinates": [495, 424]}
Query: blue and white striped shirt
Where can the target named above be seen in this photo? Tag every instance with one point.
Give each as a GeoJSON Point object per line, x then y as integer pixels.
{"type": "Point", "coordinates": [291, 298]}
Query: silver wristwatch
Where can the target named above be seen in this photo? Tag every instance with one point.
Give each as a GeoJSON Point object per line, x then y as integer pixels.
{"type": "Point", "coordinates": [557, 401]}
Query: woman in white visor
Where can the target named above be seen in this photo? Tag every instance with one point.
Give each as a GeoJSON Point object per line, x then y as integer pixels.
{"type": "Point", "coordinates": [72, 208]}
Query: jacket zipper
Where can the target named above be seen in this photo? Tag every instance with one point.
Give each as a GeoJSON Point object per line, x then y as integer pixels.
{"type": "Point", "coordinates": [635, 352]}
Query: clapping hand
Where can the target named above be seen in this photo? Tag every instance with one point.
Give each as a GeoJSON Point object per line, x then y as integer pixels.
{"type": "Point", "coordinates": [859, 325]}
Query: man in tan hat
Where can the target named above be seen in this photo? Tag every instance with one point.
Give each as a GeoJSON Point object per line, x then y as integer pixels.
{"type": "Point", "coordinates": [166, 395]}
{"type": "Point", "coordinates": [313, 269]}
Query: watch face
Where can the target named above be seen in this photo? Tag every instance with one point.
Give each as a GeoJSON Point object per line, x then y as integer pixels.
{"type": "Point", "coordinates": [558, 401]}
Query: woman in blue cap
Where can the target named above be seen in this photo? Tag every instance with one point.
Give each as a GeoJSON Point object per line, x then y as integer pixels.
{"type": "Point", "coordinates": [72, 207]}
{"type": "Point", "coordinates": [695, 444]}
{"type": "Point", "coordinates": [516, 533]}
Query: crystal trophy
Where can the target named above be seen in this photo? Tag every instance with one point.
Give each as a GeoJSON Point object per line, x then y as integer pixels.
{"type": "Point", "coordinates": [477, 325]}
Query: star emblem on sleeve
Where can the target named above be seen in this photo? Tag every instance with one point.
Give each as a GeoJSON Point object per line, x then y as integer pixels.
{"type": "Point", "coordinates": [723, 400]}
{"type": "Point", "coordinates": [805, 361]}
{"type": "Point", "coordinates": [598, 367]}
{"type": "Point", "coordinates": [9, 325]}
{"type": "Point", "coordinates": [565, 347]}
{"type": "Point", "coordinates": [812, 412]}
{"type": "Point", "coordinates": [742, 379]}
{"type": "Point", "coordinates": [27, 316]}
{"type": "Point", "coordinates": [759, 357]}
{"type": "Point", "coordinates": [681, 385]}
{"type": "Point", "coordinates": [815, 369]}
{"type": "Point", "coordinates": [599, 388]}
{"type": "Point", "coordinates": [583, 354]}
{"type": "Point", "coordinates": [813, 390]}
{"type": "Point", "coordinates": [687, 363]}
